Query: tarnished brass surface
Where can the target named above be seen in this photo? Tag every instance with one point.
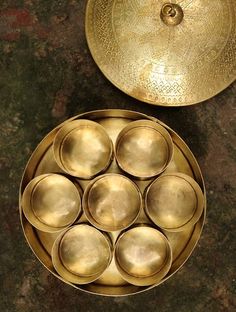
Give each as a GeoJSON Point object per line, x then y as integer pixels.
{"type": "Point", "coordinates": [111, 282]}
{"type": "Point", "coordinates": [81, 254]}
{"type": "Point", "coordinates": [82, 148]}
{"type": "Point", "coordinates": [143, 256]}
{"type": "Point", "coordinates": [144, 149]}
{"type": "Point", "coordinates": [174, 201]}
{"type": "Point", "coordinates": [169, 53]}
{"type": "Point", "coordinates": [112, 202]}
{"type": "Point", "coordinates": [51, 202]}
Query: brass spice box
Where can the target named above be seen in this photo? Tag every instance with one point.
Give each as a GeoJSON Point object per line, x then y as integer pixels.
{"type": "Point", "coordinates": [113, 281]}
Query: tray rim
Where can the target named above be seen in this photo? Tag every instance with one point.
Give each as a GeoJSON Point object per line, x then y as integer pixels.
{"type": "Point", "coordinates": [103, 114]}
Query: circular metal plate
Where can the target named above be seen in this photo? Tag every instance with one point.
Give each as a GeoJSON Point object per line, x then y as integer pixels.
{"type": "Point", "coordinates": [164, 54]}
{"type": "Point", "coordinates": [46, 245]}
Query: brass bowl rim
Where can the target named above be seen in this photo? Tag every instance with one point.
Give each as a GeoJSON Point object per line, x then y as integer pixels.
{"type": "Point", "coordinates": [26, 204]}
{"type": "Point", "coordinates": [199, 196]}
{"type": "Point", "coordinates": [154, 125]}
{"type": "Point", "coordinates": [90, 217]}
{"type": "Point", "coordinates": [156, 276]}
{"type": "Point", "coordinates": [63, 271]}
{"type": "Point", "coordinates": [63, 133]}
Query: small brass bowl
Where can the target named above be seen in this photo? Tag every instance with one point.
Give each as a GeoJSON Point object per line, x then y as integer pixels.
{"type": "Point", "coordinates": [112, 202]}
{"type": "Point", "coordinates": [51, 202]}
{"type": "Point", "coordinates": [143, 256]}
{"type": "Point", "coordinates": [82, 148]}
{"type": "Point", "coordinates": [81, 254]}
{"type": "Point", "coordinates": [174, 201]}
{"type": "Point", "coordinates": [144, 149]}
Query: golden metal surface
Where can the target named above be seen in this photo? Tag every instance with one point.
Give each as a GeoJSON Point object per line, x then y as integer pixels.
{"type": "Point", "coordinates": [112, 202]}
{"type": "Point", "coordinates": [81, 254]}
{"type": "Point", "coordinates": [172, 14]}
{"type": "Point", "coordinates": [83, 149]}
{"type": "Point", "coordinates": [143, 256]}
{"type": "Point", "coordinates": [178, 242]}
{"type": "Point", "coordinates": [111, 283]}
{"type": "Point", "coordinates": [144, 149]}
{"type": "Point", "coordinates": [179, 163]}
{"type": "Point", "coordinates": [51, 202]}
{"type": "Point", "coordinates": [174, 201]}
{"type": "Point", "coordinates": [169, 53]}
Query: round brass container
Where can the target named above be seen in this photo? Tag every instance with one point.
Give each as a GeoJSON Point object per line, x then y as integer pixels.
{"type": "Point", "coordinates": [174, 201]}
{"type": "Point", "coordinates": [112, 202]}
{"type": "Point", "coordinates": [114, 199]}
{"type": "Point", "coordinates": [143, 256]}
{"type": "Point", "coordinates": [51, 202]}
{"type": "Point", "coordinates": [83, 149]}
{"type": "Point", "coordinates": [163, 52]}
{"type": "Point", "coordinates": [81, 254]}
{"type": "Point", "coordinates": [144, 149]}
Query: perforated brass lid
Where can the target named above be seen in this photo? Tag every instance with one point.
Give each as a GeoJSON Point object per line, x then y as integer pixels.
{"type": "Point", "coordinates": [169, 53]}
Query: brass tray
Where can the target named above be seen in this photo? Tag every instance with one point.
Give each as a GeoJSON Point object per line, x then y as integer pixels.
{"type": "Point", "coordinates": [162, 52]}
{"type": "Point", "coordinates": [111, 282]}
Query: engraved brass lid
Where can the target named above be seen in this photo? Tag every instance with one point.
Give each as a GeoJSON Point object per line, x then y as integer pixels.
{"type": "Point", "coordinates": [51, 202]}
{"type": "Point", "coordinates": [112, 202]}
{"type": "Point", "coordinates": [174, 201]}
{"type": "Point", "coordinates": [82, 148]}
{"type": "Point", "coordinates": [169, 53]}
{"type": "Point", "coordinates": [143, 255]}
{"type": "Point", "coordinates": [144, 149]}
{"type": "Point", "coordinates": [81, 254]}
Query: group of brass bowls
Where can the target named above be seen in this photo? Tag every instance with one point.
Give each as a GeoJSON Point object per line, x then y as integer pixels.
{"type": "Point", "coordinates": [83, 149]}
{"type": "Point", "coordinates": [104, 224]}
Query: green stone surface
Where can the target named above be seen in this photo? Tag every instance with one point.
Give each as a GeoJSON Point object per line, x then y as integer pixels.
{"type": "Point", "coordinates": [48, 75]}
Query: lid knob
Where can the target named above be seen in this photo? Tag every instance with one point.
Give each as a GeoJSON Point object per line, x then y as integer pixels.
{"type": "Point", "coordinates": [172, 14]}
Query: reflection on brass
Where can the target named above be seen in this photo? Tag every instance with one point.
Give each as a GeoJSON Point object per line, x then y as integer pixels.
{"type": "Point", "coordinates": [112, 202]}
{"type": "Point", "coordinates": [143, 256]}
{"type": "Point", "coordinates": [83, 149]}
{"type": "Point", "coordinates": [172, 14]}
{"type": "Point", "coordinates": [81, 254]}
{"type": "Point", "coordinates": [144, 149]}
{"type": "Point", "coordinates": [174, 201]}
{"type": "Point", "coordinates": [169, 53]}
{"type": "Point", "coordinates": [110, 282]}
{"type": "Point", "coordinates": [179, 163]}
{"type": "Point", "coordinates": [51, 202]}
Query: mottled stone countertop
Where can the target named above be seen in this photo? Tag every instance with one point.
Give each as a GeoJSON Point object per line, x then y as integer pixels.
{"type": "Point", "coordinates": [48, 75]}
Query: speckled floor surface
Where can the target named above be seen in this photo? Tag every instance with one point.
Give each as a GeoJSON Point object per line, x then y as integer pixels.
{"type": "Point", "coordinates": [48, 75]}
